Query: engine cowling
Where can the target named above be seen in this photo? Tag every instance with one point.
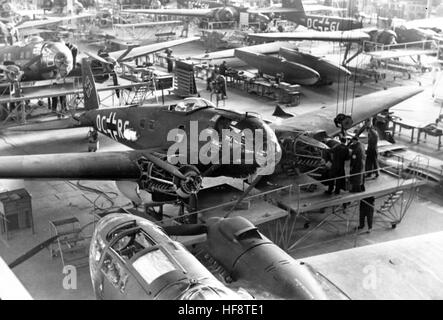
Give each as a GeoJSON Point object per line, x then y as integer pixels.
{"type": "Point", "coordinates": [225, 14]}
{"type": "Point", "coordinates": [343, 121]}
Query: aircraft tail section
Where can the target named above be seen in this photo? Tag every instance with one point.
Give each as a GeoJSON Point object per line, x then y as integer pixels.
{"type": "Point", "coordinates": [293, 4]}
{"type": "Point", "coordinates": [90, 95]}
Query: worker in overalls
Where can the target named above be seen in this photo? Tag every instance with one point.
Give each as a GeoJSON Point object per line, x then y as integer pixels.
{"type": "Point", "coordinates": [219, 88]}
{"type": "Point", "coordinates": [356, 178]}
{"type": "Point", "coordinates": [92, 140]}
{"type": "Point", "coordinates": [372, 153]}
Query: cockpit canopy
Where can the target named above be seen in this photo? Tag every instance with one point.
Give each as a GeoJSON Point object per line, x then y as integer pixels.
{"type": "Point", "coordinates": [191, 104]}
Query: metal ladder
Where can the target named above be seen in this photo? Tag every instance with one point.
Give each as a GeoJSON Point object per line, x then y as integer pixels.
{"type": "Point", "coordinates": [141, 93]}
{"type": "Point", "coordinates": [70, 244]}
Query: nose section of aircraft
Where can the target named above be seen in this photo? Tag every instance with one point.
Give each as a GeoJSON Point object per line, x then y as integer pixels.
{"type": "Point", "coordinates": [264, 147]}
{"type": "Point", "coordinates": [63, 59]}
{"type": "Point", "coordinates": [63, 63]}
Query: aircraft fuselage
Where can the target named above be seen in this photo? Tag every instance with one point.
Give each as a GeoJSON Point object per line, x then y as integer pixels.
{"type": "Point", "coordinates": [162, 127]}
{"type": "Point", "coordinates": [324, 23]}
{"type": "Point", "coordinates": [292, 72]}
{"type": "Point", "coordinates": [45, 57]}
{"type": "Point", "coordinates": [329, 71]}
{"type": "Point", "coordinates": [132, 258]}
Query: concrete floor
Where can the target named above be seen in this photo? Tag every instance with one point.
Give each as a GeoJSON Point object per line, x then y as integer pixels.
{"type": "Point", "coordinates": [43, 276]}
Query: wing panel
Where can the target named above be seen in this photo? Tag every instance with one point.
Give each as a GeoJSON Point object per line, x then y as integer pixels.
{"type": "Point", "coordinates": [341, 36]}
{"type": "Point", "coordinates": [172, 12]}
{"type": "Point", "coordinates": [144, 50]}
{"type": "Point", "coordinates": [87, 166]}
{"type": "Point", "coordinates": [363, 108]}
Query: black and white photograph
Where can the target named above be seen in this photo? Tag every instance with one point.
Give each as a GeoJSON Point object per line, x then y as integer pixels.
{"type": "Point", "coordinates": [234, 150]}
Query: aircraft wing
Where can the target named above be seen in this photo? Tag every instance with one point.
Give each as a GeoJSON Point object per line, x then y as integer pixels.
{"type": "Point", "coordinates": [265, 48]}
{"type": "Point", "coordinates": [307, 8]}
{"type": "Point", "coordinates": [172, 12]}
{"type": "Point", "coordinates": [117, 165]}
{"type": "Point", "coordinates": [10, 286]}
{"type": "Point", "coordinates": [425, 23]}
{"type": "Point", "coordinates": [341, 36]}
{"type": "Point", "coordinates": [363, 108]}
{"type": "Point", "coordinates": [148, 24]}
{"type": "Point", "coordinates": [87, 165]}
{"type": "Point", "coordinates": [124, 55]}
{"type": "Point", "coordinates": [32, 24]}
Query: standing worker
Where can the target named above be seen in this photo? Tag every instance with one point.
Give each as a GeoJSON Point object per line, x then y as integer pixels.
{"type": "Point", "coordinates": [339, 154]}
{"type": "Point", "coordinates": [185, 28]}
{"type": "Point", "coordinates": [92, 140]}
{"type": "Point", "coordinates": [356, 177]}
{"type": "Point", "coordinates": [366, 211]}
{"type": "Point", "coordinates": [371, 166]}
{"type": "Point", "coordinates": [169, 61]}
{"type": "Point", "coordinates": [220, 84]}
{"type": "Point", "coordinates": [210, 77]}
{"type": "Point", "coordinates": [223, 68]}
{"type": "Point", "coordinates": [74, 51]}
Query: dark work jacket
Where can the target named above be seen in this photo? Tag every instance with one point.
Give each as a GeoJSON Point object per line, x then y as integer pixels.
{"type": "Point", "coordinates": [372, 140]}
{"type": "Point", "coordinates": [357, 163]}
{"type": "Point", "coordinates": [339, 153]}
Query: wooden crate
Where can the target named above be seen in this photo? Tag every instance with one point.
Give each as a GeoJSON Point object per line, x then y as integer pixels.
{"type": "Point", "coordinates": [15, 211]}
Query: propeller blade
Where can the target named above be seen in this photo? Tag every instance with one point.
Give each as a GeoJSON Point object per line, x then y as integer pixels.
{"type": "Point", "coordinates": [211, 169]}
{"type": "Point", "coordinates": [32, 61]}
{"type": "Point", "coordinates": [165, 166]}
{"type": "Point", "coordinates": [97, 57]}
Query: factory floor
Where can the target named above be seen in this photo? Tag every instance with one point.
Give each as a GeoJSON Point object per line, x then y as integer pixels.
{"type": "Point", "coordinates": [43, 276]}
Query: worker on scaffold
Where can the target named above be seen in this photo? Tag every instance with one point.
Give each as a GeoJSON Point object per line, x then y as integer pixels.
{"type": "Point", "coordinates": [93, 143]}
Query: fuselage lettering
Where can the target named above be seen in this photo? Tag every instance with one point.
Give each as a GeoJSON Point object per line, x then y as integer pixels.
{"type": "Point", "coordinates": [111, 126]}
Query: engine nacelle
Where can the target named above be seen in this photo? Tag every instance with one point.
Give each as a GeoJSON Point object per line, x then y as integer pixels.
{"type": "Point", "coordinates": [226, 14]}
{"type": "Point", "coordinates": [156, 179]}
{"type": "Point", "coordinates": [249, 256]}
{"type": "Point", "coordinates": [343, 121]}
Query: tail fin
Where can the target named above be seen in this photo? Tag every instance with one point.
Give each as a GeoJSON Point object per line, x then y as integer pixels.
{"type": "Point", "coordinates": [90, 95]}
{"type": "Point", "coordinates": [293, 4]}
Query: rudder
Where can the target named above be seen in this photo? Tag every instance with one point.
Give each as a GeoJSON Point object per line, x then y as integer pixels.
{"type": "Point", "coordinates": [90, 95]}
{"type": "Point", "coordinates": [293, 4]}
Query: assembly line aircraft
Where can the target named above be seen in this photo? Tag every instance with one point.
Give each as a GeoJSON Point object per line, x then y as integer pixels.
{"type": "Point", "coordinates": [41, 60]}
{"type": "Point", "coordinates": [151, 168]}
{"type": "Point", "coordinates": [151, 131]}
{"type": "Point", "coordinates": [295, 66]}
{"type": "Point", "coordinates": [292, 10]}
{"type": "Point", "coordinates": [124, 248]}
